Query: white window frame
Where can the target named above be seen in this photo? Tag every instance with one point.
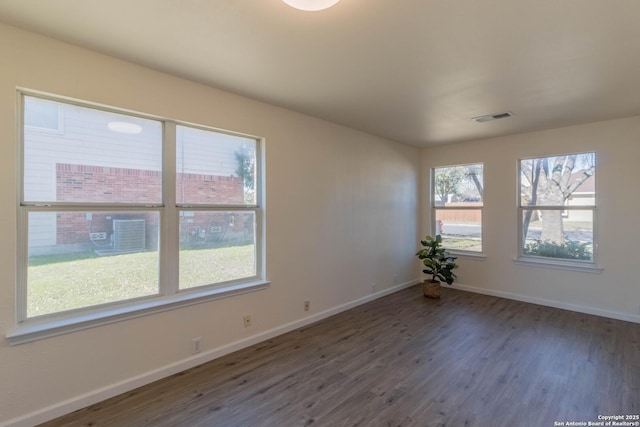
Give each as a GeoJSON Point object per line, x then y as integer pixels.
{"type": "Point", "coordinates": [169, 295]}
{"type": "Point", "coordinates": [590, 266]}
{"type": "Point", "coordinates": [434, 227]}
{"type": "Point", "coordinates": [219, 207]}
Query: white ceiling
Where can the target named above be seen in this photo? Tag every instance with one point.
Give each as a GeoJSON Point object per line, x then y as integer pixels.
{"type": "Point", "coordinates": [415, 71]}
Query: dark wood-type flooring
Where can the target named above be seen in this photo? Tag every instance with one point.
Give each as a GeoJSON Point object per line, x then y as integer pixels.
{"type": "Point", "coordinates": [404, 360]}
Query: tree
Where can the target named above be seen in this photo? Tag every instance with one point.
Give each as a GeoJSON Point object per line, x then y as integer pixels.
{"type": "Point", "coordinates": [471, 186]}
{"type": "Point", "coordinates": [246, 170]}
{"type": "Point", "coordinates": [463, 182]}
{"type": "Point", "coordinates": [550, 181]}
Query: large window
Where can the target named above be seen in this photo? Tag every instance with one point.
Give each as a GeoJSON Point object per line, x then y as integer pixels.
{"type": "Point", "coordinates": [102, 224]}
{"type": "Point", "coordinates": [457, 202]}
{"type": "Point", "coordinates": [557, 207]}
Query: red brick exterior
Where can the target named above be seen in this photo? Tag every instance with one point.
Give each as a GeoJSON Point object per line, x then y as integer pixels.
{"type": "Point", "coordinates": [209, 189]}
{"type": "Point", "coordinates": [74, 227]}
{"type": "Point", "coordinates": [81, 183]}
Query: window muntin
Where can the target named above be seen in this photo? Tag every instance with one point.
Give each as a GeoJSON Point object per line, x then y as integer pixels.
{"type": "Point", "coordinates": [92, 214]}
{"type": "Point", "coordinates": [457, 204]}
{"type": "Point", "coordinates": [557, 207]}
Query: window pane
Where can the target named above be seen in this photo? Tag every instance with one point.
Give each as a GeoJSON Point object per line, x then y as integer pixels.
{"type": "Point", "coordinates": [558, 180]}
{"type": "Point", "coordinates": [458, 186]}
{"type": "Point", "coordinates": [82, 259]}
{"type": "Point", "coordinates": [558, 234]}
{"type": "Point", "coordinates": [216, 247]}
{"type": "Point", "coordinates": [99, 157]}
{"type": "Point", "coordinates": [214, 168]}
{"type": "Point", "coordinates": [41, 113]}
{"type": "Point", "coordinates": [461, 229]}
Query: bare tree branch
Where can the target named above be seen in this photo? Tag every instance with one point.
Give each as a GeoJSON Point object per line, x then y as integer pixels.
{"type": "Point", "coordinates": [586, 173]}
{"type": "Point", "coordinates": [478, 184]}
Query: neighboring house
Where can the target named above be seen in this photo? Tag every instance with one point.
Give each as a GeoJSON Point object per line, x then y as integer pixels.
{"type": "Point", "coordinates": [583, 196]}
{"type": "Point", "coordinates": [77, 154]}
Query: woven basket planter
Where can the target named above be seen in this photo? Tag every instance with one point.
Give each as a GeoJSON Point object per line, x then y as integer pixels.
{"type": "Point", "coordinates": [431, 289]}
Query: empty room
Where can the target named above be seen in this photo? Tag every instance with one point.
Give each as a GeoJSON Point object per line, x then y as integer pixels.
{"type": "Point", "coordinates": [319, 212]}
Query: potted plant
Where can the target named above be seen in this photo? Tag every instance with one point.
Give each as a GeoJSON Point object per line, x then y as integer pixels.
{"type": "Point", "coordinates": [438, 263]}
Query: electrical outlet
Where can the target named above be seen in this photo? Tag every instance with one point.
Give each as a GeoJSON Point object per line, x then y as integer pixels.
{"type": "Point", "coordinates": [196, 345]}
{"type": "Point", "coordinates": [307, 305]}
{"type": "Point", "coordinates": [247, 321]}
{"type": "Point", "coordinates": [395, 280]}
{"type": "Point", "coordinates": [373, 286]}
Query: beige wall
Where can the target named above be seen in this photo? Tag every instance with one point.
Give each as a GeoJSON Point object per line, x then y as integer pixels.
{"type": "Point", "coordinates": [616, 291]}
{"type": "Point", "coordinates": [342, 210]}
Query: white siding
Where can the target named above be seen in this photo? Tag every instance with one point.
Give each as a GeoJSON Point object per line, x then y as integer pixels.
{"type": "Point", "coordinates": [208, 153]}
{"type": "Point", "coordinates": [42, 229]}
{"type": "Point", "coordinates": [580, 199]}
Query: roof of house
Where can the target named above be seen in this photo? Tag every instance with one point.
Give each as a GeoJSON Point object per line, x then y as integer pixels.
{"type": "Point", "coordinates": [587, 186]}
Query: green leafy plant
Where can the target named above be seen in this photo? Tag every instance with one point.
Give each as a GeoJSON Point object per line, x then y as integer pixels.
{"type": "Point", "coordinates": [568, 250]}
{"type": "Point", "coordinates": [437, 260]}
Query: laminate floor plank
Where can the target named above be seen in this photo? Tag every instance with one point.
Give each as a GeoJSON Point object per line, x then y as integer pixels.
{"type": "Point", "coordinates": [404, 360]}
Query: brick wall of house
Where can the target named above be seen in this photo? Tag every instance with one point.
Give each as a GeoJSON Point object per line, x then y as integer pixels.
{"type": "Point", "coordinates": [206, 227]}
{"type": "Point", "coordinates": [81, 183]}
{"type": "Point", "coordinates": [75, 227]}
{"type": "Point", "coordinates": [194, 188]}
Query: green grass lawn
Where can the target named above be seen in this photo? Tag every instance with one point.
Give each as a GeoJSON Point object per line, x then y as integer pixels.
{"type": "Point", "coordinates": [462, 244]}
{"type": "Point", "coordinates": [66, 282]}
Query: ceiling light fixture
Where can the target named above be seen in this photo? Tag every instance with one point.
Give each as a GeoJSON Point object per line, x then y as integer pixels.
{"type": "Point", "coordinates": [311, 5]}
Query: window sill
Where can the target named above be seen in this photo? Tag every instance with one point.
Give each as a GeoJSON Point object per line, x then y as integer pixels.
{"type": "Point", "coordinates": [33, 330]}
{"type": "Point", "coordinates": [559, 265]}
{"type": "Point", "coordinates": [470, 255]}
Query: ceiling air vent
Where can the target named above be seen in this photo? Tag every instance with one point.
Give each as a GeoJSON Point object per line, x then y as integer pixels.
{"type": "Point", "coordinates": [489, 117]}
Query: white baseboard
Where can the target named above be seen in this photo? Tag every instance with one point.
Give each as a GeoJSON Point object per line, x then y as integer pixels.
{"type": "Point", "coordinates": [551, 303]}
{"type": "Point", "coordinates": [115, 389]}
